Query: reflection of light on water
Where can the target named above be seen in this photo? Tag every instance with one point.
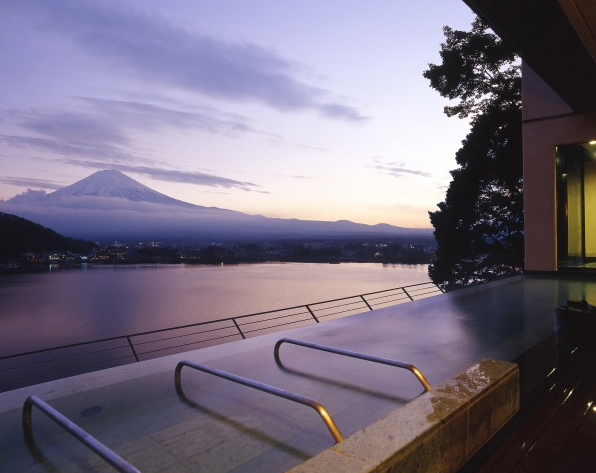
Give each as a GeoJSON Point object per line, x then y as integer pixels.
{"type": "Point", "coordinates": [54, 266]}
{"type": "Point", "coordinates": [568, 396]}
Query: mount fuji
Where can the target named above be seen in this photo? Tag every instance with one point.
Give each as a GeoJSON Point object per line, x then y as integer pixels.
{"type": "Point", "coordinates": [114, 184]}
{"type": "Point", "coordinates": [108, 206]}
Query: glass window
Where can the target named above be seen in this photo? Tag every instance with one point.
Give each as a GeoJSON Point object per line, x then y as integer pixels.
{"type": "Point", "coordinates": [576, 205]}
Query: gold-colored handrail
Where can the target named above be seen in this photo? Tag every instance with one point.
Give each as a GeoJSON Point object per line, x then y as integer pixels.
{"type": "Point", "coordinates": [91, 442]}
{"type": "Point", "coordinates": [337, 436]}
{"type": "Point", "coordinates": [361, 356]}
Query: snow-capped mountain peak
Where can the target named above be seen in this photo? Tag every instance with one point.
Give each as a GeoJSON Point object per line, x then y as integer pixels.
{"type": "Point", "coordinates": [112, 183]}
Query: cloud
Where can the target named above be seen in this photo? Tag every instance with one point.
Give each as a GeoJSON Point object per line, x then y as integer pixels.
{"type": "Point", "coordinates": [298, 176]}
{"type": "Point", "coordinates": [155, 50]}
{"type": "Point", "coordinates": [107, 121]}
{"type": "Point", "coordinates": [97, 137]}
{"type": "Point", "coordinates": [186, 177]}
{"type": "Point", "coordinates": [104, 129]}
{"type": "Point", "coordinates": [26, 182]}
{"type": "Point", "coordinates": [99, 158]}
{"type": "Point", "coordinates": [146, 116]}
{"type": "Point", "coordinates": [336, 110]}
{"type": "Point", "coordinates": [28, 197]}
{"type": "Point", "coordinates": [70, 127]}
{"type": "Point", "coordinates": [398, 169]}
{"type": "Point", "coordinates": [62, 150]}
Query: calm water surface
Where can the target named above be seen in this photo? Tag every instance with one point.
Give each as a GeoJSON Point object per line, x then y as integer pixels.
{"type": "Point", "coordinates": [42, 310]}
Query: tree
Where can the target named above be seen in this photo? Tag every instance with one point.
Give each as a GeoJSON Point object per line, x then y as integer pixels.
{"type": "Point", "coordinates": [19, 235]}
{"type": "Point", "coordinates": [479, 226]}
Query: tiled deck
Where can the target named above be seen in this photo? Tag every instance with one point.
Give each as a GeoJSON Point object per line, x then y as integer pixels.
{"type": "Point", "coordinates": [222, 426]}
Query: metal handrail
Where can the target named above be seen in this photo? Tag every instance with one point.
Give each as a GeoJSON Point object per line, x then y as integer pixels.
{"type": "Point", "coordinates": [361, 356]}
{"type": "Point", "coordinates": [337, 436]}
{"type": "Point", "coordinates": [99, 448]}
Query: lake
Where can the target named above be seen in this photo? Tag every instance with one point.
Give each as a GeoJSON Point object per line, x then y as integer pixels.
{"type": "Point", "coordinates": [41, 310]}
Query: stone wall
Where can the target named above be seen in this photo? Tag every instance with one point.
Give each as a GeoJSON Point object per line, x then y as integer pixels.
{"type": "Point", "coordinates": [436, 432]}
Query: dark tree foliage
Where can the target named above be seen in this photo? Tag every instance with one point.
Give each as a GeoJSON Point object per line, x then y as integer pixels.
{"type": "Point", "coordinates": [19, 235]}
{"type": "Point", "coordinates": [479, 226]}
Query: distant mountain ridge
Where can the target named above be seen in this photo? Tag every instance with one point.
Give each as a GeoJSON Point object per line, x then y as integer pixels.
{"type": "Point", "coordinates": [109, 205]}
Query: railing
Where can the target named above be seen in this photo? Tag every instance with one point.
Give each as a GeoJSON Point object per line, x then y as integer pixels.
{"type": "Point", "coordinates": [104, 452]}
{"type": "Point", "coordinates": [37, 366]}
{"type": "Point", "coordinates": [352, 354]}
{"type": "Point", "coordinates": [318, 407]}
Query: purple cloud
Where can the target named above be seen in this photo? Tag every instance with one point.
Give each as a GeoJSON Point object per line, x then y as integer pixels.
{"type": "Point", "coordinates": [27, 182]}
{"type": "Point", "coordinates": [147, 116]}
{"type": "Point", "coordinates": [198, 178]}
{"type": "Point", "coordinates": [397, 169]}
{"type": "Point", "coordinates": [155, 50]}
{"type": "Point", "coordinates": [98, 158]}
{"type": "Point", "coordinates": [70, 127]}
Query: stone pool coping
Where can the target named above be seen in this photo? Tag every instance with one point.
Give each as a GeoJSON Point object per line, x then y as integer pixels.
{"type": "Point", "coordinates": [436, 432]}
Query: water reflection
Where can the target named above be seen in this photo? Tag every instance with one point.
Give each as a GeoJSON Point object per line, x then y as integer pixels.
{"type": "Point", "coordinates": [60, 307]}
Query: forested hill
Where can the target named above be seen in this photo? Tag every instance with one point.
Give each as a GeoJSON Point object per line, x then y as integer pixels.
{"type": "Point", "coordinates": [19, 235]}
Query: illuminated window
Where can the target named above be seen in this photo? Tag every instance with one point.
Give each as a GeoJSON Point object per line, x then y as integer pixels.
{"type": "Point", "coordinates": [576, 205]}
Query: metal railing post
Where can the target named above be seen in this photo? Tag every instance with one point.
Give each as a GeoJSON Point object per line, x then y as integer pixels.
{"type": "Point", "coordinates": [239, 329]}
{"type": "Point", "coordinates": [132, 347]}
{"type": "Point", "coordinates": [312, 313]}
{"type": "Point", "coordinates": [366, 302]}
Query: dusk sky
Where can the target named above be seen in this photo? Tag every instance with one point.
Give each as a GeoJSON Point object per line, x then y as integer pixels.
{"type": "Point", "coordinates": [295, 109]}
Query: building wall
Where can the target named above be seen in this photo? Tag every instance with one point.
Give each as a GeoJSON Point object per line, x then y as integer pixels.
{"type": "Point", "coordinates": [547, 122]}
